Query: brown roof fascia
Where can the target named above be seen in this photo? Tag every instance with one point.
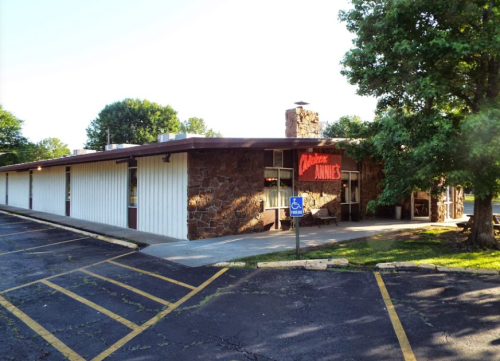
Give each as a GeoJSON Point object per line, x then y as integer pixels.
{"type": "Point", "coordinates": [178, 146]}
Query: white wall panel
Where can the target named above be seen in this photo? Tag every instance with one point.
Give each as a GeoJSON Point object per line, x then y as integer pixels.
{"type": "Point", "coordinates": [49, 186]}
{"type": "Point", "coordinates": [99, 192]}
{"type": "Point", "coordinates": [2, 188]}
{"type": "Point", "coordinates": [19, 189]}
{"type": "Point", "coordinates": [162, 195]}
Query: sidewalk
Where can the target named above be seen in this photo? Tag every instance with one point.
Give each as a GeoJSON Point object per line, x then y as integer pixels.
{"type": "Point", "coordinates": [208, 251]}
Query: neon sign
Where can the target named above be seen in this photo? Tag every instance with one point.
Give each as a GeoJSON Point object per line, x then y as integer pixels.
{"type": "Point", "coordinates": [319, 167]}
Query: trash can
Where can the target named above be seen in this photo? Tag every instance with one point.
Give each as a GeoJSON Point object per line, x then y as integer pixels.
{"type": "Point", "coordinates": [398, 212]}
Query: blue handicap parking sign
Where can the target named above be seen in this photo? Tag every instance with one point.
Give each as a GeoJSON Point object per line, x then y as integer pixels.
{"type": "Point", "coordinates": [296, 207]}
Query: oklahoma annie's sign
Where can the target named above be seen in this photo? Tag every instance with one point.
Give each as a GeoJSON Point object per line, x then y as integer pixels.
{"type": "Point", "coordinates": [319, 167]}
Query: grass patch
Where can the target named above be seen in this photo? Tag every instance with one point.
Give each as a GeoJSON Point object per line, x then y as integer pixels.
{"type": "Point", "coordinates": [436, 245]}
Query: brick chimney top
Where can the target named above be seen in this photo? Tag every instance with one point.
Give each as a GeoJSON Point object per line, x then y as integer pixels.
{"type": "Point", "coordinates": [301, 123]}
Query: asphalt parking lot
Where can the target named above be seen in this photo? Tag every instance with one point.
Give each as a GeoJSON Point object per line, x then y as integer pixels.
{"type": "Point", "coordinates": [64, 295]}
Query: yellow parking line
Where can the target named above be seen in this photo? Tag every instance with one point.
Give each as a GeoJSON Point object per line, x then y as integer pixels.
{"type": "Point", "coordinates": [152, 274]}
{"type": "Point", "coordinates": [142, 293]}
{"type": "Point", "coordinates": [35, 326]}
{"type": "Point", "coordinates": [396, 323]}
{"type": "Point", "coordinates": [95, 306]}
{"type": "Point", "coordinates": [36, 230]}
{"type": "Point", "coordinates": [45, 245]}
{"type": "Point", "coordinates": [155, 319]}
{"type": "Point", "coordinates": [64, 273]}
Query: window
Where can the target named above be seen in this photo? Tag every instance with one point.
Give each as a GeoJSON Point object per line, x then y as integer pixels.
{"type": "Point", "coordinates": [68, 183]}
{"type": "Point", "coordinates": [278, 187]}
{"type": "Point", "coordinates": [132, 181]}
{"type": "Point", "coordinates": [31, 184]}
{"type": "Point", "coordinates": [278, 158]}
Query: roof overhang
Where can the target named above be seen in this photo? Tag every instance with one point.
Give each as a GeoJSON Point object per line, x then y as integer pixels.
{"type": "Point", "coordinates": [180, 146]}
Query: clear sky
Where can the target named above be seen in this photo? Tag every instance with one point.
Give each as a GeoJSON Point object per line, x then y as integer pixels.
{"type": "Point", "coordinates": [237, 64]}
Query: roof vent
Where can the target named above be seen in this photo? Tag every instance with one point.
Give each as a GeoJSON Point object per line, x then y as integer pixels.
{"type": "Point", "coordinates": [188, 135]}
{"type": "Point", "coordinates": [119, 146]}
{"type": "Point", "coordinates": [83, 151]}
{"type": "Point", "coordinates": [166, 137]}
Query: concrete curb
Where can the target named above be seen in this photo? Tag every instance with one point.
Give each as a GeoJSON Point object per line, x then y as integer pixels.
{"type": "Point", "coordinates": [430, 268]}
{"type": "Point", "coordinates": [229, 264]}
{"type": "Point", "coordinates": [310, 264]}
{"type": "Point", "coordinates": [76, 230]}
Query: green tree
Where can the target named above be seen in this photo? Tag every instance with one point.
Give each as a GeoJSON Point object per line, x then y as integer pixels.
{"type": "Point", "coordinates": [131, 121]}
{"type": "Point", "coordinates": [480, 155]}
{"type": "Point", "coordinates": [50, 148]}
{"type": "Point", "coordinates": [14, 148]}
{"type": "Point", "coordinates": [431, 63]}
{"type": "Point", "coordinates": [198, 126]}
{"type": "Point", "coordinates": [346, 127]}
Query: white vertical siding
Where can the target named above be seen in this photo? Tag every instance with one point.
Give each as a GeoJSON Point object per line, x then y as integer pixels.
{"type": "Point", "coordinates": [49, 186]}
{"type": "Point", "coordinates": [162, 195]}
{"type": "Point", "coordinates": [2, 188]}
{"type": "Point", "coordinates": [99, 192]}
{"type": "Point", "coordinates": [19, 189]}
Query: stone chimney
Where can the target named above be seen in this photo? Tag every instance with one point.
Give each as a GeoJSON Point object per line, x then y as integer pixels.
{"type": "Point", "coordinates": [301, 123]}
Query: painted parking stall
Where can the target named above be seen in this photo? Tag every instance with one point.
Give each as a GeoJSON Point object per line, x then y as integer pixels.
{"type": "Point", "coordinates": [95, 302]}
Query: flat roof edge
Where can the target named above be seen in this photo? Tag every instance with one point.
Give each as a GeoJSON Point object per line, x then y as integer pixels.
{"type": "Point", "coordinates": [179, 146]}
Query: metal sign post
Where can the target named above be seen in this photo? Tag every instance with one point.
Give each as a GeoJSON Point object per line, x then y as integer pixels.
{"type": "Point", "coordinates": [296, 205]}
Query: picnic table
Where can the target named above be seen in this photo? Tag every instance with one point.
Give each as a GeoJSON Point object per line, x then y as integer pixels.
{"type": "Point", "coordinates": [468, 225]}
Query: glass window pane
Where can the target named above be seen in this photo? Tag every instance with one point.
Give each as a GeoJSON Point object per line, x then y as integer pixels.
{"type": "Point", "coordinates": [286, 174]}
{"type": "Point", "coordinates": [271, 197]}
{"type": "Point", "coordinates": [133, 187]}
{"type": "Point", "coordinates": [278, 158]}
{"type": "Point", "coordinates": [271, 173]}
{"type": "Point", "coordinates": [68, 186]}
{"type": "Point", "coordinates": [285, 194]}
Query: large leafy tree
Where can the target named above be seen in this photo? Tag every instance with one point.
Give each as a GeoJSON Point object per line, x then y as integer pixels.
{"type": "Point", "coordinates": [49, 148]}
{"type": "Point", "coordinates": [131, 121]}
{"type": "Point", "coordinates": [346, 127]}
{"type": "Point", "coordinates": [431, 63]}
{"type": "Point", "coordinates": [198, 126]}
{"type": "Point", "coordinates": [14, 148]}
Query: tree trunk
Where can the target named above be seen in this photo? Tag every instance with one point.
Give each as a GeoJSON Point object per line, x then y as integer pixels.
{"type": "Point", "coordinates": [482, 227]}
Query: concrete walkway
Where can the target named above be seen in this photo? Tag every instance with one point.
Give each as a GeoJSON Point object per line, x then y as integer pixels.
{"type": "Point", "coordinates": [141, 238]}
{"type": "Point", "coordinates": [213, 250]}
{"type": "Point", "coordinates": [209, 251]}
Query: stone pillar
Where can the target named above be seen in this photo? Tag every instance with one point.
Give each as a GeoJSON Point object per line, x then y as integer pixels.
{"type": "Point", "coordinates": [437, 202]}
{"type": "Point", "coordinates": [301, 123]}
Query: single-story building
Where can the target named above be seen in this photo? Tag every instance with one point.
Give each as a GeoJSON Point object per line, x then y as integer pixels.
{"type": "Point", "coordinates": [192, 187]}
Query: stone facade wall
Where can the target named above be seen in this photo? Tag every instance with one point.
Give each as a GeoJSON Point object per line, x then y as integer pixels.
{"type": "Point", "coordinates": [225, 192]}
{"type": "Point", "coordinates": [301, 123]}
{"type": "Point", "coordinates": [459, 202]}
{"type": "Point", "coordinates": [319, 195]}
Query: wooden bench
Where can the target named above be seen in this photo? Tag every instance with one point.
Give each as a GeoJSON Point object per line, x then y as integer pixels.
{"type": "Point", "coordinates": [322, 214]}
{"type": "Point", "coordinates": [467, 225]}
{"type": "Point", "coordinates": [464, 225]}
